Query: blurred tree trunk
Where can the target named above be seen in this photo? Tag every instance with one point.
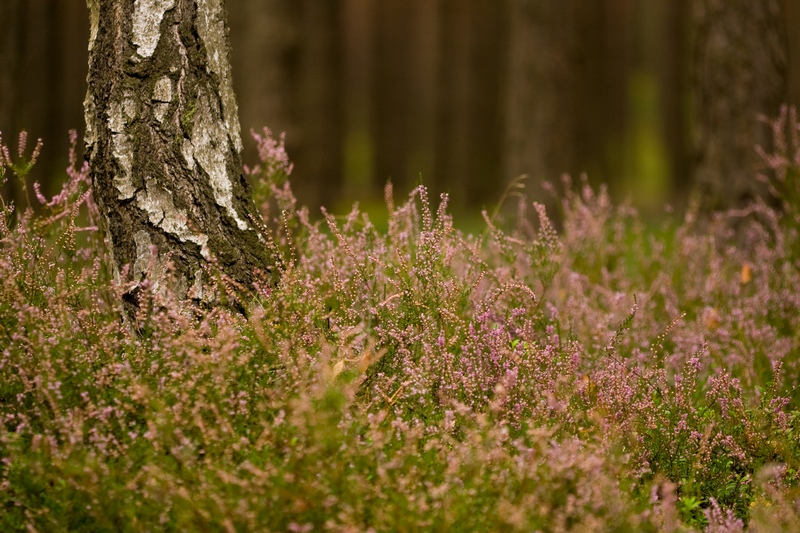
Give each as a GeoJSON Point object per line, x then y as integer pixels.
{"type": "Point", "coordinates": [10, 53]}
{"type": "Point", "coordinates": [286, 54]}
{"type": "Point", "coordinates": [163, 141]}
{"type": "Point", "coordinates": [602, 55]}
{"type": "Point", "coordinates": [469, 122]}
{"type": "Point", "coordinates": [30, 83]}
{"type": "Point", "coordinates": [392, 125]}
{"type": "Point", "coordinates": [566, 104]}
{"type": "Point", "coordinates": [68, 64]}
{"type": "Point", "coordinates": [452, 165]}
{"type": "Point", "coordinates": [792, 22]}
{"type": "Point", "coordinates": [10, 48]}
{"type": "Point", "coordinates": [319, 161]}
{"type": "Point", "coordinates": [675, 82]}
{"type": "Point", "coordinates": [739, 73]}
{"type": "Point", "coordinates": [357, 99]}
{"type": "Point", "coordinates": [485, 112]}
{"type": "Point", "coordinates": [42, 76]}
{"type": "Point", "coordinates": [266, 42]}
{"type": "Point", "coordinates": [540, 136]}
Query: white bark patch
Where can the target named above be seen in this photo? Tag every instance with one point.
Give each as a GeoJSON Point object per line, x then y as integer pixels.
{"type": "Point", "coordinates": [129, 107]}
{"type": "Point", "coordinates": [88, 119]}
{"type": "Point", "coordinates": [162, 96]}
{"type": "Point", "coordinates": [119, 114]}
{"type": "Point", "coordinates": [210, 146]}
{"type": "Point", "coordinates": [94, 21]}
{"type": "Point", "coordinates": [147, 16]}
{"type": "Point", "coordinates": [161, 212]}
{"type": "Point", "coordinates": [211, 27]}
{"type": "Point", "coordinates": [188, 153]}
{"type": "Point", "coordinates": [162, 92]}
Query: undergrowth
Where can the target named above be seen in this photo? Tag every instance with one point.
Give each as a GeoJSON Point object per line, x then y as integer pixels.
{"type": "Point", "coordinates": [599, 378]}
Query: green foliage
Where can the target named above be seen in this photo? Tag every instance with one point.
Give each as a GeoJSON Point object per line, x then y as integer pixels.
{"type": "Point", "coordinates": [606, 377]}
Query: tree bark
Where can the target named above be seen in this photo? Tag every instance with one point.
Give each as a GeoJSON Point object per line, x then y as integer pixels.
{"type": "Point", "coordinates": [539, 125]}
{"type": "Point", "coordinates": [267, 41]}
{"type": "Point", "coordinates": [320, 158]}
{"type": "Point", "coordinates": [10, 39]}
{"type": "Point", "coordinates": [10, 47]}
{"type": "Point", "coordinates": [470, 86]}
{"type": "Point", "coordinates": [392, 77]}
{"type": "Point", "coordinates": [739, 73]}
{"type": "Point", "coordinates": [163, 142]}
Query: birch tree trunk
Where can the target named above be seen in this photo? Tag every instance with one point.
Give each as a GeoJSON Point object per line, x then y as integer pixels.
{"type": "Point", "coordinates": [163, 142]}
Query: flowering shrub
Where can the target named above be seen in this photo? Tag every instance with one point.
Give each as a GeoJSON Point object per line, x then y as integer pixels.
{"type": "Point", "coordinates": [605, 377]}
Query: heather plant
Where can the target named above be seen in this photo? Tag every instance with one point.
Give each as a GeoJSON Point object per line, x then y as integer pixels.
{"type": "Point", "coordinates": [605, 377]}
{"type": "Point", "coordinates": [783, 164]}
{"type": "Point", "coordinates": [23, 164]}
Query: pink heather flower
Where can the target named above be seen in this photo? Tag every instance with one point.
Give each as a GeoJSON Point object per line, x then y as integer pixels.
{"type": "Point", "coordinates": [22, 144]}
{"type": "Point", "coordinates": [272, 153]}
{"type": "Point", "coordinates": [23, 141]}
{"type": "Point", "coordinates": [511, 377]}
{"type": "Point", "coordinates": [6, 157]}
{"type": "Point", "coordinates": [3, 151]}
{"type": "Point", "coordinates": [722, 521]}
{"type": "Point", "coordinates": [38, 191]}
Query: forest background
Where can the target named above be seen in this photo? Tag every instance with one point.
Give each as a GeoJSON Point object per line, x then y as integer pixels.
{"type": "Point", "coordinates": [608, 374]}
{"type": "Point", "coordinates": [658, 99]}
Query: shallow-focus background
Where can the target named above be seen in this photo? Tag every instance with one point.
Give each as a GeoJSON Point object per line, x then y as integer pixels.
{"type": "Point", "coordinates": [657, 98]}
